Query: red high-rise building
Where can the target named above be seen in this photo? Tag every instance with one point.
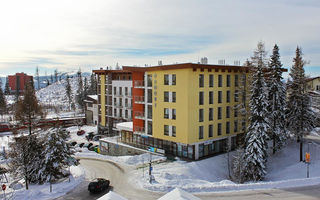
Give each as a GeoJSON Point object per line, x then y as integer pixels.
{"type": "Point", "coordinates": [18, 81]}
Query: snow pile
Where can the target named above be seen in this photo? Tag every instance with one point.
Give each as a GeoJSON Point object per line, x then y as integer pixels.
{"type": "Point", "coordinates": [112, 196]}
{"type": "Point", "coordinates": [210, 175]}
{"type": "Point", "coordinates": [42, 192]}
{"type": "Point", "coordinates": [178, 194]}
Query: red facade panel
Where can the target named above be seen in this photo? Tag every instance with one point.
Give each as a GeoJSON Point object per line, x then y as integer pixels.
{"type": "Point", "coordinates": [137, 92]}
{"type": "Point", "coordinates": [18, 81]}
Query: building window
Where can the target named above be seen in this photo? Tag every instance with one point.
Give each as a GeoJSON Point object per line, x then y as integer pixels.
{"type": "Point", "coordinates": [236, 96]}
{"type": "Point", "coordinates": [219, 96]}
{"type": "Point", "coordinates": [227, 127]}
{"type": "Point", "coordinates": [211, 97]}
{"type": "Point", "coordinates": [200, 132]}
{"type": "Point", "coordinates": [173, 131]}
{"type": "Point", "coordinates": [211, 80]}
{"type": "Point", "coordinates": [120, 90]}
{"type": "Point", "coordinates": [201, 80]}
{"type": "Point", "coordinates": [166, 79]}
{"type": "Point", "coordinates": [173, 113]}
{"type": "Point", "coordinates": [243, 124]}
{"type": "Point", "coordinates": [166, 130]}
{"type": "Point", "coordinates": [235, 112]}
{"type": "Point", "coordinates": [126, 102]}
{"type": "Point", "coordinates": [228, 96]}
{"type": "Point", "coordinates": [126, 91]}
{"type": "Point", "coordinates": [120, 102]}
{"type": "Point", "coordinates": [149, 80]}
{"type": "Point", "coordinates": [219, 112]}
{"type": "Point", "coordinates": [115, 112]}
{"type": "Point", "coordinates": [235, 127]}
{"type": "Point", "coordinates": [243, 80]}
{"type": "Point", "coordinates": [210, 130]}
{"type": "Point", "coordinates": [200, 98]}
{"type": "Point", "coordinates": [115, 101]}
{"type": "Point", "coordinates": [174, 79]}
{"type": "Point", "coordinates": [166, 113]}
{"type": "Point", "coordinates": [149, 96]}
{"type": "Point", "coordinates": [219, 129]}
{"type": "Point", "coordinates": [166, 96]}
{"type": "Point", "coordinates": [149, 112]}
{"type": "Point", "coordinates": [210, 114]}
{"type": "Point", "coordinates": [228, 112]}
{"type": "Point", "coordinates": [114, 90]}
{"type": "Point", "coordinates": [236, 80]}
{"type": "Point", "coordinates": [200, 115]}
{"type": "Point", "coordinates": [228, 80]}
{"type": "Point", "coordinates": [174, 97]}
{"type": "Point", "coordinates": [126, 114]}
{"type": "Point", "coordinates": [220, 81]}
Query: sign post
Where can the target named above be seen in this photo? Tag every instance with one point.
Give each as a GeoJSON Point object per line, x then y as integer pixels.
{"type": "Point", "coordinates": [308, 159]}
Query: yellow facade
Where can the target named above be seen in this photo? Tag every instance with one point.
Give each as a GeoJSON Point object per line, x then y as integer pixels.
{"type": "Point", "coordinates": [103, 99]}
{"type": "Point", "coordinates": [313, 84]}
{"type": "Point", "coordinates": [187, 105]}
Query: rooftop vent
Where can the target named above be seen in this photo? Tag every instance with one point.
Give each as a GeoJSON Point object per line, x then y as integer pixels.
{"type": "Point", "coordinates": [221, 62]}
{"type": "Point", "coordinates": [204, 60]}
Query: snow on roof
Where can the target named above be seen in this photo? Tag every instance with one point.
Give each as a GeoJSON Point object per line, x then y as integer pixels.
{"type": "Point", "coordinates": [178, 194]}
{"type": "Point", "coordinates": [95, 97]}
{"type": "Point", "coordinates": [127, 126]}
{"type": "Point", "coordinates": [112, 196]}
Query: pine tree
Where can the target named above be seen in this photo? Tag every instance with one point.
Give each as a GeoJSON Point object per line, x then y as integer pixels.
{"type": "Point", "coordinates": [255, 155]}
{"type": "Point", "coordinates": [51, 77]}
{"type": "Point", "coordinates": [7, 89]}
{"type": "Point", "coordinates": [93, 85]}
{"type": "Point", "coordinates": [276, 101]}
{"type": "Point", "coordinates": [238, 165]}
{"type": "Point", "coordinates": [28, 109]}
{"type": "Point", "coordinates": [38, 78]}
{"type": "Point", "coordinates": [300, 118]}
{"type": "Point", "coordinates": [55, 75]}
{"type": "Point", "coordinates": [56, 155]}
{"type": "Point", "coordinates": [68, 91]}
{"type": "Point", "coordinates": [80, 92]}
{"type": "Point", "coordinates": [3, 101]}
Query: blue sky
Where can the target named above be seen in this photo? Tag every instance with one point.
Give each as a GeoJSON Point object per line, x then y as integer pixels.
{"type": "Point", "coordinates": [67, 35]}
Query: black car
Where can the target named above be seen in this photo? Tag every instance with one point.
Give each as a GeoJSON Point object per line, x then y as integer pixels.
{"type": "Point", "coordinates": [98, 185]}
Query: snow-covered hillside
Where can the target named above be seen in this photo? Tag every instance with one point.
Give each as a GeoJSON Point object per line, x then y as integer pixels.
{"type": "Point", "coordinates": [55, 94]}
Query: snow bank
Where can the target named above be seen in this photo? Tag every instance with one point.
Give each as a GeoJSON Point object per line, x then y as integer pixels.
{"type": "Point", "coordinates": [42, 192]}
{"type": "Point", "coordinates": [128, 160]}
{"type": "Point", "coordinates": [211, 175]}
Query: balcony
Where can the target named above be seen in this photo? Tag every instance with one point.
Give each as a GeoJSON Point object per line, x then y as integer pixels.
{"type": "Point", "coordinates": [139, 115]}
{"type": "Point", "coordinates": [139, 99]}
{"type": "Point", "coordinates": [139, 84]}
{"type": "Point", "coordinates": [139, 130]}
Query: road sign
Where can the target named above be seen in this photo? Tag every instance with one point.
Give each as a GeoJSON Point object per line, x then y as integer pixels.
{"type": "Point", "coordinates": [308, 157]}
{"type": "Point", "coordinates": [4, 187]}
{"type": "Point", "coordinates": [150, 168]}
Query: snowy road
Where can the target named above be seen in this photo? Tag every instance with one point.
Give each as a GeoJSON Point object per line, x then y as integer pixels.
{"type": "Point", "coordinates": [116, 174]}
{"type": "Point", "coordinates": [119, 183]}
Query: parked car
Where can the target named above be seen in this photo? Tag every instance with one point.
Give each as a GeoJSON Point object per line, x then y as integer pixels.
{"type": "Point", "coordinates": [98, 185]}
{"type": "Point", "coordinates": [93, 147]}
{"type": "Point", "coordinates": [97, 137]}
{"type": "Point", "coordinates": [80, 132]}
{"type": "Point", "coordinates": [89, 145]}
{"type": "Point", "coordinates": [90, 136]}
{"type": "Point", "coordinates": [73, 143]}
{"type": "Point", "coordinates": [81, 145]}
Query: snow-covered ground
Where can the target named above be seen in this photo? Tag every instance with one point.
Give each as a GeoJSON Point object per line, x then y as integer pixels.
{"type": "Point", "coordinates": [211, 175]}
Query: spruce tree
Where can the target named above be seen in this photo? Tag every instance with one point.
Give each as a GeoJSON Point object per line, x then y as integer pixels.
{"type": "Point", "coordinates": [276, 101]}
{"type": "Point", "coordinates": [68, 91]}
{"type": "Point", "coordinates": [55, 75]}
{"type": "Point", "coordinates": [7, 89]}
{"type": "Point", "coordinates": [56, 154]}
{"type": "Point", "coordinates": [255, 154]}
{"type": "Point", "coordinates": [300, 118]}
{"type": "Point", "coordinates": [80, 91]}
{"type": "Point", "coordinates": [3, 101]}
{"type": "Point", "coordinates": [28, 109]}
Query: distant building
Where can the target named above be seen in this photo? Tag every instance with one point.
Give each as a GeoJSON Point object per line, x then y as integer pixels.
{"type": "Point", "coordinates": [313, 89]}
{"type": "Point", "coordinates": [18, 81]}
{"type": "Point", "coordinates": [92, 109]}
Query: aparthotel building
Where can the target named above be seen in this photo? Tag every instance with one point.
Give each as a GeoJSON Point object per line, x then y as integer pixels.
{"type": "Point", "coordinates": [17, 82]}
{"type": "Point", "coordinates": [187, 110]}
{"type": "Point", "coordinates": [114, 99]}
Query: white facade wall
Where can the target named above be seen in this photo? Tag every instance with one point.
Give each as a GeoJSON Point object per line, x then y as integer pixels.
{"type": "Point", "coordinates": [115, 105]}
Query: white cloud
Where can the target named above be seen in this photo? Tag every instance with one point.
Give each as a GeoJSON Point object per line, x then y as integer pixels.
{"type": "Point", "coordinates": [90, 34]}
